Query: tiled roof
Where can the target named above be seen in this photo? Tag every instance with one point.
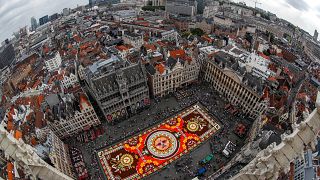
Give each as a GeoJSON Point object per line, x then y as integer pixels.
{"type": "Point", "coordinates": [177, 53]}
{"type": "Point", "coordinates": [84, 101]}
{"type": "Point", "coordinates": [264, 56]}
{"type": "Point", "coordinates": [160, 68]}
{"type": "Point", "coordinates": [17, 134]}
{"type": "Point", "coordinates": [150, 47]}
{"type": "Point", "coordinates": [272, 78]}
{"type": "Point", "coordinates": [122, 48]}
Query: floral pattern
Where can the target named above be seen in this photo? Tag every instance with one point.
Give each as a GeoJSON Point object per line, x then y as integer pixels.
{"type": "Point", "coordinates": [155, 148]}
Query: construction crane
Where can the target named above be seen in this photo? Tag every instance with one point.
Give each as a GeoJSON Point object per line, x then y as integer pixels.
{"type": "Point", "coordinates": [255, 3]}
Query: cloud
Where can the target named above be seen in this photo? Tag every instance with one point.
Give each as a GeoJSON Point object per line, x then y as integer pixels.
{"type": "Point", "coordinates": [15, 14]}
{"type": "Point", "coordinates": [299, 4]}
{"type": "Point", "coordinates": [302, 13]}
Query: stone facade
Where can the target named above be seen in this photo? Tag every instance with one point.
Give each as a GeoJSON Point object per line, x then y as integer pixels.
{"type": "Point", "coordinates": [276, 158]}
{"type": "Point", "coordinates": [167, 79]}
{"type": "Point", "coordinates": [136, 40]}
{"type": "Point", "coordinates": [57, 152]}
{"type": "Point", "coordinates": [53, 62]}
{"type": "Point", "coordinates": [69, 81]}
{"type": "Point", "coordinates": [119, 91]}
{"type": "Point", "coordinates": [25, 156]}
{"type": "Point", "coordinates": [71, 120]}
{"type": "Point", "coordinates": [240, 88]}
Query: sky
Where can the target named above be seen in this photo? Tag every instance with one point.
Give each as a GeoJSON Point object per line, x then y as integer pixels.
{"type": "Point", "coordinates": [302, 13]}
{"type": "Point", "coordinates": [17, 13]}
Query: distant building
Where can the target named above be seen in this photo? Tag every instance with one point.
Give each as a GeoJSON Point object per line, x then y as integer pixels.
{"type": "Point", "coordinates": [200, 6]}
{"type": "Point", "coordinates": [125, 15]}
{"type": "Point", "coordinates": [34, 24]}
{"type": "Point", "coordinates": [119, 88]}
{"type": "Point", "coordinates": [182, 7]}
{"type": "Point", "coordinates": [181, 23]}
{"type": "Point", "coordinates": [54, 17]}
{"type": "Point", "coordinates": [98, 2]}
{"type": "Point", "coordinates": [171, 35]}
{"type": "Point", "coordinates": [315, 36]}
{"type": "Point", "coordinates": [136, 40]}
{"type": "Point", "coordinates": [257, 65]}
{"type": "Point", "coordinates": [44, 20]}
{"type": "Point", "coordinates": [53, 62]}
{"type": "Point", "coordinates": [7, 55]}
{"type": "Point", "coordinates": [158, 2]}
{"type": "Point", "coordinates": [66, 11]}
{"type": "Point", "coordinates": [211, 11]}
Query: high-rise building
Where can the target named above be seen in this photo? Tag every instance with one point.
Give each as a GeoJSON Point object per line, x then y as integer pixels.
{"type": "Point", "coordinates": [34, 24]}
{"type": "Point", "coordinates": [200, 6]}
{"type": "Point", "coordinates": [182, 7]}
{"type": "Point", "coordinates": [91, 2]}
{"type": "Point", "coordinates": [44, 20]}
{"type": "Point", "coordinates": [7, 54]}
{"type": "Point", "coordinates": [315, 36]}
{"type": "Point", "coordinates": [97, 2]}
{"type": "Point", "coordinates": [53, 17]}
{"type": "Point", "coordinates": [158, 2]}
{"type": "Point", "coordinates": [66, 11]}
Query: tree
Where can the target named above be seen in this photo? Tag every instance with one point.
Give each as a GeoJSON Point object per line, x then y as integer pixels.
{"type": "Point", "coordinates": [185, 34]}
{"type": "Point", "coordinates": [272, 38]}
{"type": "Point", "coordinates": [287, 37]}
{"type": "Point", "coordinates": [152, 8]}
{"type": "Point", "coordinates": [249, 38]}
{"type": "Point", "coordinates": [266, 52]}
{"type": "Point", "coordinates": [197, 31]}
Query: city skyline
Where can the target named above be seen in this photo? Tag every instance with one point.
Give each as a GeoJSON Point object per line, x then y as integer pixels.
{"type": "Point", "coordinates": [303, 13]}
{"type": "Point", "coordinates": [17, 13]}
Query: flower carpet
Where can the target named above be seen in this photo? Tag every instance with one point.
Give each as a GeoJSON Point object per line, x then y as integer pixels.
{"type": "Point", "coordinates": [158, 146]}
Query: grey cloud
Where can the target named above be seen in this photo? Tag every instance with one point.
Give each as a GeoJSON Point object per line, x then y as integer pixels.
{"type": "Point", "coordinates": [299, 4]}
{"type": "Point", "coordinates": [17, 13]}
{"type": "Point", "coordinates": [13, 6]}
{"type": "Point", "coordinates": [318, 8]}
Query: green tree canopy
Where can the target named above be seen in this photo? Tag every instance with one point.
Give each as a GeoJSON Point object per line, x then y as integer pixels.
{"type": "Point", "coordinates": [152, 8]}
{"type": "Point", "coordinates": [197, 31]}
